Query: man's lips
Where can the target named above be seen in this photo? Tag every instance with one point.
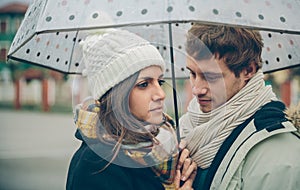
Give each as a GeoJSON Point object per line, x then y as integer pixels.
{"type": "Point", "coordinates": [203, 101]}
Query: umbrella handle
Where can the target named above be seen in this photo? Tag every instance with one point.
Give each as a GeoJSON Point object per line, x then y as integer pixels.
{"type": "Point", "coordinates": [174, 82]}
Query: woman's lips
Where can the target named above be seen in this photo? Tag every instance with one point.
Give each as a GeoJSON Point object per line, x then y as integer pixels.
{"type": "Point", "coordinates": [158, 109]}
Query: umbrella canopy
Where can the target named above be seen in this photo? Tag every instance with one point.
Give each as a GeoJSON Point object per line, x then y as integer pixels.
{"type": "Point", "coordinates": [50, 33]}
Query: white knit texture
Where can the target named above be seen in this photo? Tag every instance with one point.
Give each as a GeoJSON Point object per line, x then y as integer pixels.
{"type": "Point", "coordinates": [205, 132]}
{"type": "Point", "coordinates": [112, 57]}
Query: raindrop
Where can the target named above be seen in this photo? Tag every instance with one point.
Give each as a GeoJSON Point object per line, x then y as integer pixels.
{"type": "Point", "coordinates": [238, 14]}
{"type": "Point", "coordinates": [215, 11]}
{"type": "Point", "coordinates": [282, 19]}
{"type": "Point", "coordinates": [192, 8]}
{"type": "Point", "coordinates": [170, 9]}
{"type": "Point", "coordinates": [71, 17]}
{"type": "Point", "coordinates": [144, 11]}
{"type": "Point", "coordinates": [119, 13]}
{"type": "Point", "coordinates": [95, 15]}
{"type": "Point", "coordinates": [48, 18]}
{"type": "Point", "coordinates": [261, 17]}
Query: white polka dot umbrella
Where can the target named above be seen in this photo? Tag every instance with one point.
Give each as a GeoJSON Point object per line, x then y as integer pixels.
{"type": "Point", "coordinates": [50, 33]}
{"type": "Point", "coordinates": [51, 30]}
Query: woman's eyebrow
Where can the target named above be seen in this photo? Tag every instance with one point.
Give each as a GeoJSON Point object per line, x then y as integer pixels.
{"type": "Point", "coordinates": [149, 78]}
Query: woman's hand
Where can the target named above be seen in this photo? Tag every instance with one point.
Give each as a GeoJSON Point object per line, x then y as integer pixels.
{"type": "Point", "coordinates": [186, 169]}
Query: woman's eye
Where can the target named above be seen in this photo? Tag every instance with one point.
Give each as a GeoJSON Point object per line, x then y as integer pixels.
{"type": "Point", "coordinates": [142, 85]}
{"type": "Point", "coordinates": [161, 82]}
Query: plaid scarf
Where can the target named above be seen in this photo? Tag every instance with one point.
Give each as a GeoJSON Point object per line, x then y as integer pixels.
{"type": "Point", "coordinates": [161, 156]}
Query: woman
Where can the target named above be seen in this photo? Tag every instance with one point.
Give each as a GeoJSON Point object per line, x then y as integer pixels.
{"type": "Point", "coordinates": [127, 140]}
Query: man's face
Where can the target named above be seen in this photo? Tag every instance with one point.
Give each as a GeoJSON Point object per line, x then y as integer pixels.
{"type": "Point", "coordinates": [212, 82]}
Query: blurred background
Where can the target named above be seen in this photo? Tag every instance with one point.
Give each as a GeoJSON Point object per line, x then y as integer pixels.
{"type": "Point", "coordinates": [37, 131]}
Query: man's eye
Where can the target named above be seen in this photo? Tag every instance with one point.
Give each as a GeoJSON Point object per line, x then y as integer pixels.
{"type": "Point", "coordinates": [212, 78]}
{"type": "Point", "coordinates": [142, 85]}
{"type": "Point", "coordinates": [192, 74]}
{"type": "Point", "coordinates": [161, 82]}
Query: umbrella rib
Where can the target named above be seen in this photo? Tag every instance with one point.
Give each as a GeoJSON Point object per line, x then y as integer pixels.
{"type": "Point", "coordinates": [170, 22]}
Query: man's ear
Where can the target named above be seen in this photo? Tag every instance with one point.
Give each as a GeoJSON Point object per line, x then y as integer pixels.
{"type": "Point", "coordinates": [249, 72]}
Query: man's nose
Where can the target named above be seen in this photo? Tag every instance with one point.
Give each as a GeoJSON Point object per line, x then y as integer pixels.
{"type": "Point", "coordinates": [199, 87]}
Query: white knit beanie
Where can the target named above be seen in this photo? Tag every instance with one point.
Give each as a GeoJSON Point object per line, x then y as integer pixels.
{"type": "Point", "coordinates": [112, 57]}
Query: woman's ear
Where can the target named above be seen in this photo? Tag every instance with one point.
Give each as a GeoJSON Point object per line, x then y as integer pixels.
{"type": "Point", "coordinates": [249, 72]}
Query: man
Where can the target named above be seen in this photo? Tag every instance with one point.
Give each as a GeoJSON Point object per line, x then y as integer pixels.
{"type": "Point", "coordinates": [235, 129]}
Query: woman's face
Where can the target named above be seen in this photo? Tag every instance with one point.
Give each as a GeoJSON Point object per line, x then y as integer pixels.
{"type": "Point", "coordinates": [146, 100]}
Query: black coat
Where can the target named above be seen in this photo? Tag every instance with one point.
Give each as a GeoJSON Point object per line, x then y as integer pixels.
{"type": "Point", "coordinates": [84, 173]}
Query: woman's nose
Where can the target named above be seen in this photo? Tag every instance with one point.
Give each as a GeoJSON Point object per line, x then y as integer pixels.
{"type": "Point", "coordinates": [159, 93]}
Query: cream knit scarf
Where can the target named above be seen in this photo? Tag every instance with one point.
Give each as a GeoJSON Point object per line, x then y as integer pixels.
{"type": "Point", "coordinates": [209, 130]}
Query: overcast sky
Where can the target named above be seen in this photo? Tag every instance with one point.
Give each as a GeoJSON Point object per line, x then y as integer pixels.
{"type": "Point", "coordinates": [4, 2]}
